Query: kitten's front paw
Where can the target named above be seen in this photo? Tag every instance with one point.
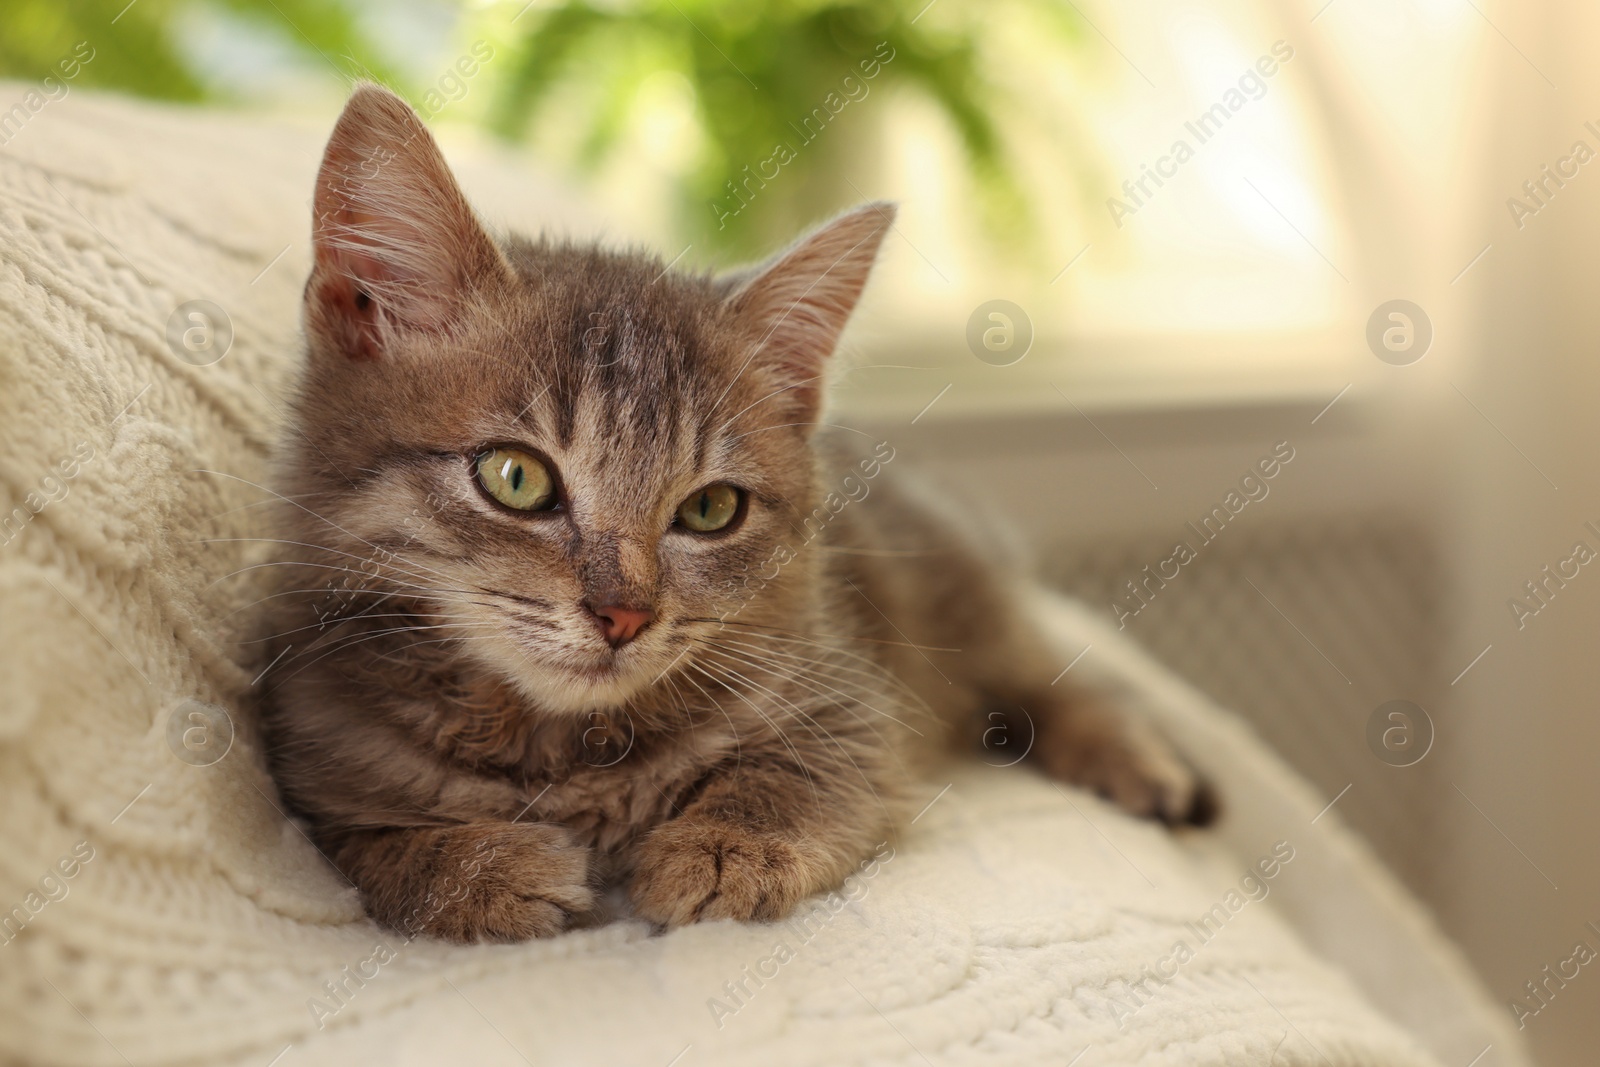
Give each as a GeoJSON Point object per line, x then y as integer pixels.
{"type": "Point", "coordinates": [695, 868]}
{"type": "Point", "coordinates": [1129, 763]}
{"type": "Point", "coordinates": [504, 882]}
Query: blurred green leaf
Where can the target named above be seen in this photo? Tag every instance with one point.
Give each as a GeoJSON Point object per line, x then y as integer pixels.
{"type": "Point", "coordinates": [137, 48]}
{"type": "Point", "coordinates": [759, 69]}
{"type": "Point", "coordinates": [768, 78]}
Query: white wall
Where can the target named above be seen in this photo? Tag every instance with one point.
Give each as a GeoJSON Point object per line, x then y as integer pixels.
{"type": "Point", "coordinates": [1531, 736]}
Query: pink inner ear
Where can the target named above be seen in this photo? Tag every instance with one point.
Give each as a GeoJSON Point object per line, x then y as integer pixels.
{"type": "Point", "coordinates": [347, 280]}
{"type": "Point", "coordinates": [351, 315]}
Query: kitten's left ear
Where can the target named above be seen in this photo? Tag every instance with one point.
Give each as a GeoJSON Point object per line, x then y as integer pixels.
{"type": "Point", "coordinates": [798, 305]}
{"type": "Point", "coordinates": [396, 245]}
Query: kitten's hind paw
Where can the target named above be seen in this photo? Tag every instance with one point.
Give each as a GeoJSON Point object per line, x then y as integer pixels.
{"type": "Point", "coordinates": [1126, 761]}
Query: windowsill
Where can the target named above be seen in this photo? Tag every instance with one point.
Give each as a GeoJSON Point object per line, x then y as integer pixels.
{"type": "Point", "coordinates": [936, 383]}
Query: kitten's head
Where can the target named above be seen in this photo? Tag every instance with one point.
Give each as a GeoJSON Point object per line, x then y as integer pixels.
{"type": "Point", "coordinates": [570, 458]}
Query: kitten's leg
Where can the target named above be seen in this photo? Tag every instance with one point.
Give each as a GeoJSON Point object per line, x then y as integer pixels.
{"type": "Point", "coordinates": [1087, 739]}
{"type": "Point", "coordinates": [482, 881]}
{"type": "Point", "coordinates": [1006, 684]}
{"type": "Point", "coordinates": [758, 838]}
{"type": "Point", "coordinates": [1008, 688]}
{"type": "Point", "coordinates": [1086, 728]}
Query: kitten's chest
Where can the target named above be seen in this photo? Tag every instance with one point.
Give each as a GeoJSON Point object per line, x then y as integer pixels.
{"type": "Point", "coordinates": [609, 807]}
{"type": "Point", "coordinates": [625, 783]}
{"type": "Point", "coordinates": [602, 775]}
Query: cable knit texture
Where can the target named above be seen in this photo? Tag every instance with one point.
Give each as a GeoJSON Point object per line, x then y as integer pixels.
{"type": "Point", "coordinates": [1014, 923]}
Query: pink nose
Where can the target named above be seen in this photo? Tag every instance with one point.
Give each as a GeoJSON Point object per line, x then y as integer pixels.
{"type": "Point", "coordinates": [620, 625]}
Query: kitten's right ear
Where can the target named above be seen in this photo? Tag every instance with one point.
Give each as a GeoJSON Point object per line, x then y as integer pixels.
{"type": "Point", "coordinates": [396, 245]}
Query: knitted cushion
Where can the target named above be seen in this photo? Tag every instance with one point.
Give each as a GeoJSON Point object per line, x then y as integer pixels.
{"type": "Point", "coordinates": [159, 909]}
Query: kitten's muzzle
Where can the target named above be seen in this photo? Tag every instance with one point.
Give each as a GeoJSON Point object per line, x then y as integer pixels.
{"type": "Point", "coordinates": [619, 624]}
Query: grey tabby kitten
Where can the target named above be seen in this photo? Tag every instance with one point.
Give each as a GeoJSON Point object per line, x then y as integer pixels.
{"type": "Point", "coordinates": [546, 628]}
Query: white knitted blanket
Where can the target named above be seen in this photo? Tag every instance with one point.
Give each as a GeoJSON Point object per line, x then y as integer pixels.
{"type": "Point", "coordinates": [160, 910]}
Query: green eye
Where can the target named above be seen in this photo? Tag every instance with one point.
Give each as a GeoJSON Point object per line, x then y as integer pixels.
{"type": "Point", "coordinates": [516, 479]}
{"type": "Point", "coordinates": [710, 508]}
